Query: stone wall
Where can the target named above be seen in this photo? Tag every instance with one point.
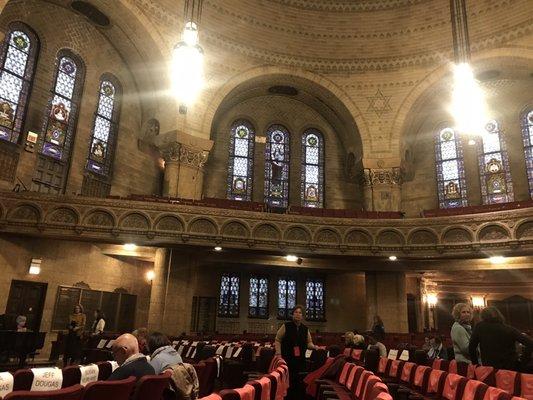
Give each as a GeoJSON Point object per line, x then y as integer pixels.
{"type": "Point", "coordinates": [134, 171]}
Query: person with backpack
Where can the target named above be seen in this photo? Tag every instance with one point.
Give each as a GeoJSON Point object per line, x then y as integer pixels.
{"type": "Point", "coordinates": [162, 354]}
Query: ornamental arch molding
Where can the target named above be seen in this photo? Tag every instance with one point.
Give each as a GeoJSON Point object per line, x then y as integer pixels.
{"type": "Point", "coordinates": [358, 237]}
{"type": "Point", "coordinates": [26, 212]}
{"type": "Point", "coordinates": [457, 235]}
{"type": "Point", "coordinates": [169, 223]}
{"type": "Point", "coordinates": [100, 218]}
{"type": "Point", "coordinates": [136, 221]}
{"type": "Point", "coordinates": [390, 237]}
{"type": "Point", "coordinates": [267, 232]}
{"type": "Point", "coordinates": [524, 230]}
{"type": "Point", "coordinates": [203, 226]}
{"type": "Point", "coordinates": [492, 232]}
{"type": "Point", "coordinates": [328, 236]}
{"type": "Point", "coordinates": [297, 233]}
{"type": "Point", "coordinates": [422, 237]}
{"type": "Point", "coordinates": [63, 215]}
{"type": "Point", "coordinates": [329, 92]}
{"type": "Point", "coordinates": [235, 229]}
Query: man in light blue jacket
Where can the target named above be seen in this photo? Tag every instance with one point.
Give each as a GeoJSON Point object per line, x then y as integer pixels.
{"type": "Point", "coordinates": [163, 355]}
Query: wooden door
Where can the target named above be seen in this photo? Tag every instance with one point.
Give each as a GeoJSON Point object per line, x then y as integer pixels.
{"type": "Point", "coordinates": [26, 298]}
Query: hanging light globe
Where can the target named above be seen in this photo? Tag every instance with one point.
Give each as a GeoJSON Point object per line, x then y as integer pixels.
{"type": "Point", "coordinates": [188, 66]}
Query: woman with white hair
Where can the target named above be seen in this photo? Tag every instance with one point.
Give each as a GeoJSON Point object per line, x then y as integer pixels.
{"type": "Point", "coordinates": [461, 331]}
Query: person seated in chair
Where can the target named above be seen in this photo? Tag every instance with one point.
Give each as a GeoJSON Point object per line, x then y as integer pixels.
{"type": "Point", "coordinates": [374, 343]}
{"type": "Point", "coordinates": [437, 350]}
{"type": "Point", "coordinates": [163, 354]}
{"type": "Point", "coordinates": [131, 363]}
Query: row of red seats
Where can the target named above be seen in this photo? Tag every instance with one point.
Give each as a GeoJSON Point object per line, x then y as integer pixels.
{"type": "Point", "coordinates": [477, 209]}
{"type": "Point", "coordinates": [271, 386]}
{"type": "Point", "coordinates": [353, 383]}
{"type": "Point", "coordinates": [147, 388]}
{"type": "Point", "coordinates": [455, 381]}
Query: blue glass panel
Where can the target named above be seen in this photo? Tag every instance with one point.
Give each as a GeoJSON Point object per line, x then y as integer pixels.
{"type": "Point", "coordinates": [241, 161]}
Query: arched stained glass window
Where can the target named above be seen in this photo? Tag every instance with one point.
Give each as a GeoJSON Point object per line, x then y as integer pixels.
{"type": "Point", "coordinates": [277, 167]}
{"type": "Point", "coordinates": [228, 304]}
{"type": "Point", "coordinates": [312, 169]}
{"type": "Point", "coordinates": [450, 169]}
{"type": "Point", "coordinates": [527, 134]}
{"type": "Point", "coordinates": [241, 161]}
{"type": "Point", "coordinates": [314, 300]}
{"type": "Point", "coordinates": [286, 297]}
{"type": "Point", "coordinates": [258, 302]}
{"type": "Point", "coordinates": [18, 60]}
{"type": "Point", "coordinates": [104, 134]}
{"type": "Point", "coordinates": [494, 171]}
{"type": "Point", "coordinates": [62, 112]}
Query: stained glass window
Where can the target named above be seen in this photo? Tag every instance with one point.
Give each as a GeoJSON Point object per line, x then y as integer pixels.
{"type": "Point", "coordinates": [18, 60]}
{"type": "Point", "coordinates": [312, 169]}
{"type": "Point", "coordinates": [494, 171]}
{"type": "Point", "coordinates": [277, 167]}
{"type": "Point", "coordinates": [241, 161]}
{"type": "Point", "coordinates": [258, 303]}
{"type": "Point", "coordinates": [104, 132]}
{"type": "Point", "coordinates": [228, 304]}
{"type": "Point", "coordinates": [62, 112]}
{"type": "Point", "coordinates": [314, 300]}
{"type": "Point", "coordinates": [450, 169]}
{"type": "Point", "coordinates": [286, 297]}
{"type": "Point", "coordinates": [527, 135]}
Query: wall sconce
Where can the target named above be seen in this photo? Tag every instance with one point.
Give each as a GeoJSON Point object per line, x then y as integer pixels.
{"type": "Point", "coordinates": [432, 299]}
{"type": "Point", "coordinates": [478, 301]}
{"type": "Point", "coordinates": [150, 275]}
{"type": "Point", "coordinates": [35, 266]}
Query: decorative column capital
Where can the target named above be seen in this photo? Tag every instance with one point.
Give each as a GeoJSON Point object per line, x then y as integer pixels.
{"type": "Point", "coordinates": [190, 156]}
{"type": "Point", "coordinates": [382, 176]}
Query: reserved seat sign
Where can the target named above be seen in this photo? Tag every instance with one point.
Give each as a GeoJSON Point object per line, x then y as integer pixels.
{"type": "Point", "coordinates": [6, 383]}
{"type": "Point", "coordinates": [46, 379]}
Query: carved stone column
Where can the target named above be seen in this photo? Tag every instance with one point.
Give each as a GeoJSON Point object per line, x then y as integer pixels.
{"type": "Point", "coordinates": [382, 189]}
{"type": "Point", "coordinates": [185, 158]}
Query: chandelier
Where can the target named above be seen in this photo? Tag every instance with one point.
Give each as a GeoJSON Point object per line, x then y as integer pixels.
{"type": "Point", "coordinates": [468, 103]}
{"type": "Point", "coordinates": [188, 57]}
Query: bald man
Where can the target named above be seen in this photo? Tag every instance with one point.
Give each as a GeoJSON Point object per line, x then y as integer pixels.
{"type": "Point", "coordinates": [131, 363]}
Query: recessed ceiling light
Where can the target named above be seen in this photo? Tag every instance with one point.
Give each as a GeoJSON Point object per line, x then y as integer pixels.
{"type": "Point", "coordinates": [497, 259]}
{"type": "Point", "coordinates": [130, 246]}
{"type": "Point", "coordinates": [291, 258]}
{"type": "Point", "coordinates": [393, 258]}
{"type": "Point", "coordinates": [471, 142]}
{"type": "Point", "coordinates": [218, 248]}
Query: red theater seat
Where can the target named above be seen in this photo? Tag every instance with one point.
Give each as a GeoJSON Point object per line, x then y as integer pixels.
{"type": "Point", "coordinates": [72, 393]}
{"type": "Point", "coordinates": [440, 364]}
{"type": "Point", "coordinates": [507, 380]}
{"type": "Point", "coordinates": [71, 376]}
{"type": "Point", "coordinates": [436, 382]}
{"type": "Point", "coordinates": [421, 378]}
{"type": "Point", "coordinates": [485, 375]}
{"type": "Point", "coordinates": [493, 393]}
{"type": "Point", "coordinates": [151, 387]}
{"type": "Point", "coordinates": [526, 386]}
{"type": "Point", "coordinates": [104, 370]}
{"type": "Point", "coordinates": [247, 392]}
{"type": "Point", "coordinates": [212, 396]}
{"type": "Point", "coordinates": [474, 390]}
{"type": "Point", "coordinates": [113, 390]}
{"type": "Point", "coordinates": [453, 387]}
{"type": "Point", "coordinates": [383, 366]}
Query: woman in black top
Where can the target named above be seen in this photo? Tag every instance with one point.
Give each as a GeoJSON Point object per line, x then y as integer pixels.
{"type": "Point", "coordinates": [497, 341]}
{"type": "Point", "coordinates": [378, 329]}
{"type": "Point", "coordinates": [292, 340]}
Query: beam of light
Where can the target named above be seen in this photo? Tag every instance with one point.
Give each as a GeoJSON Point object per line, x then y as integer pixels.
{"type": "Point", "coordinates": [497, 259]}
{"type": "Point", "coordinates": [130, 246]}
{"type": "Point", "coordinates": [291, 258]}
{"type": "Point", "coordinates": [478, 301]}
{"type": "Point", "coordinates": [468, 102]}
{"type": "Point", "coordinates": [432, 299]}
{"type": "Point", "coordinates": [187, 67]}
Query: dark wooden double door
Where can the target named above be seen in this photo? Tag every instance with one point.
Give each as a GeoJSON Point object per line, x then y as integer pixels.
{"type": "Point", "coordinates": [25, 298]}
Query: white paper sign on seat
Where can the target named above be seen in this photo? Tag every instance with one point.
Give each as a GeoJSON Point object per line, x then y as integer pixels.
{"type": "Point", "coordinates": [114, 365]}
{"type": "Point", "coordinates": [46, 379]}
{"type": "Point", "coordinates": [89, 373]}
{"type": "Point", "coordinates": [393, 354]}
{"type": "Point", "coordinates": [6, 383]}
{"type": "Point", "coordinates": [404, 356]}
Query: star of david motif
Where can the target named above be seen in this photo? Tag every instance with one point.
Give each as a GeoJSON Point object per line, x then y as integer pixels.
{"type": "Point", "coordinates": [379, 103]}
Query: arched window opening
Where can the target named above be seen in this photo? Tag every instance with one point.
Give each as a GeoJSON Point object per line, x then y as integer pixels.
{"type": "Point", "coordinates": [241, 161]}
{"type": "Point", "coordinates": [312, 169]}
{"type": "Point", "coordinates": [527, 135]}
{"type": "Point", "coordinates": [451, 181]}
{"type": "Point", "coordinates": [228, 304]}
{"type": "Point", "coordinates": [277, 167]}
{"type": "Point", "coordinates": [286, 297]}
{"type": "Point", "coordinates": [258, 301]}
{"type": "Point", "coordinates": [314, 300]}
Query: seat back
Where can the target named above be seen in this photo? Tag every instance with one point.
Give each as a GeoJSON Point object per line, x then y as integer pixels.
{"type": "Point", "coordinates": [151, 387]}
{"type": "Point", "coordinates": [344, 373]}
{"type": "Point", "coordinates": [71, 376]}
{"type": "Point", "coordinates": [459, 368]}
{"type": "Point", "coordinates": [71, 393]}
{"type": "Point", "coordinates": [371, 381]}
{"type": "Point", "coordinates": [379, 387]}
{"type": "Point", "coordinates": [361, 383]}
{"type": "Point", "coordinates": [436, 381]}
{"type": "Point", "coordinates": [384, 396]}
{"type": "Point", "coordinates": [371, 357]}
{"type": "Point", "coordinates": [273, 386]}
{"type": "Point", "coordinates": [262, 388]}
{"type": "Point", "coordinates": [347, 351]}
{"type": "Point", "coordinates": [507, 380]}
{"type": "Point", "coordinates": [353, 377]}
{"type": "Point", "coordinates": [526, 386]}
{"type": "Point", "coordinates": [115, 390]}
{"type": "Point", "coordinates": [452, 367]}
{"type": "Point", "coordinates": [408, 373]}
{"type": "Point", "coordinates": [265, 357]}
{"type": "Point", "coordinates": [421, 378]}
{"type": "Point", "coordinates": [395, 369]}
{"type": "Point", "coordinates": [383, 366]}
{"type": "Point", "coordinates": [493, 393]}
{"type": "Point", "coordinates": [453, 387]}
{"type": "Point", "coordinates": [474, 390]}
{"type": "Point", "coordinates": [212, 396]}
{"type": "Point", "coordinates": [485, 375]}
{"type": "Point", "coordinates": [22, 379]}
{"type": "Point", "coordinates": [104, 370]}
{"type": "Point", "coordinates": [357, 354]}
{"type": "Point", "coordinates": [440, 364]}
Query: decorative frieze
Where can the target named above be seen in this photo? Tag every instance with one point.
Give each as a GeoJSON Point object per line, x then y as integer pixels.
{"type": "Point", "coordinates": [184, 154]}
{"type": "Point", "coordinates": [382, 176]}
